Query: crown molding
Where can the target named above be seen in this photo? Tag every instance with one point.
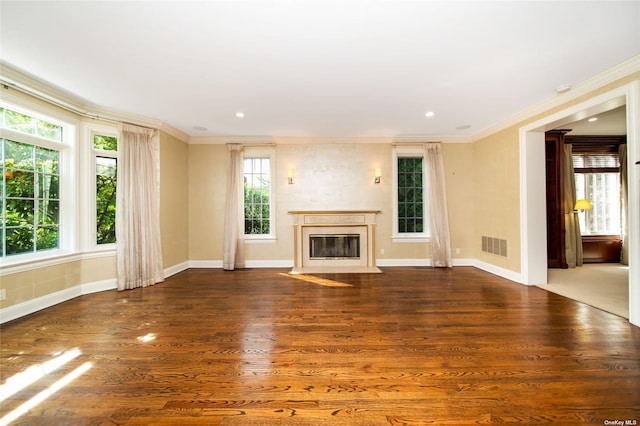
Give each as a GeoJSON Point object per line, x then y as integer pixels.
{"type": "Point", "coordinates": [223, 140]}
{"type": "Point", "coordinates": [17, 80]}
{"type": "Point", "coordinates": [178, 134]}
{"type": "Point", "coordinates": [399, 140]}
{"type": "Point", "coordinates": [12, 78]}
{"type": "Point", "coordinates": [622, 70]}
{"type": "Point", "coordinates": [300, 140]}
{"type": "Point", "coordinates": [337, 140]}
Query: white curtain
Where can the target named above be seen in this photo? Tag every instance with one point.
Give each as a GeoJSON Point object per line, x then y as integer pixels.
{"type": "Point", "coordinates": [233, 240]}
{"type": "Point", "coordinates": [573, 237]}
{"type": "Point", "coordinates": [139, 251]}
{"type": "Point", "coordinates": [438, 215]}
{"type": "Point", "coordinates": [624, 204]}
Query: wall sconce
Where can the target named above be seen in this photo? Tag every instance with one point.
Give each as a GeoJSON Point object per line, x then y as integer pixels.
{"type": "Point", "coordinates": [582, 205]}
{"type": "Point", "coordinates": [290, 176]}
{"type": "Point", "coordinates": [377, 173]}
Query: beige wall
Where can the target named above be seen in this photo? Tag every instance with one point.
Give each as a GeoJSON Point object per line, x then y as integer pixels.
{"type": "Point", "coordinates": [327, 177]}
{"type": "Point", "coordinates": [32, 284]}
{"type": "Point", "coordinates": [208, 166]}
{"type": "Point", "coordinates": [497, 183]}
{"type": "Point", "coordinates": [496, 196]}
{"type": "Point", "coordinates": [174, 200]}
{"type": "Point", "coordinates": [459, 164]}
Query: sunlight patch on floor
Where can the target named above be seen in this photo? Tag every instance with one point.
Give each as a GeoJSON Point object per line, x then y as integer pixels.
{"type": "Point", "coordinates": [317, 280]}
{"type": "Point", "coordinates": [34, 373]}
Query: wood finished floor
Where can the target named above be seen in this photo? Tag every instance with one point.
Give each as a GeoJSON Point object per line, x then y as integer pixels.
{"type": "Point", "coordinates": [261, 347]}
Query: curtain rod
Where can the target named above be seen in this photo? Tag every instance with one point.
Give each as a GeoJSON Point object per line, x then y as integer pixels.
{"type": "Point", "coordinates": [63, 105]}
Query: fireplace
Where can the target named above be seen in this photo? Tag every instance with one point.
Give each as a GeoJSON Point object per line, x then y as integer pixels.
{"type": "Point", "coordinates": [332, 246]}
{"type": "Point", "coordinates": [341, 241]}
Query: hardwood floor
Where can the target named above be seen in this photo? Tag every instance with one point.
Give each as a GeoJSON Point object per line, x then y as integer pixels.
{"type": "Point", "coordinates": [260, 347]}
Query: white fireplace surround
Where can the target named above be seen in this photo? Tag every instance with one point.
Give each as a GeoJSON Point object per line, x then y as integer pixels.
{"type": "Point", "coordinates": [330, 223]}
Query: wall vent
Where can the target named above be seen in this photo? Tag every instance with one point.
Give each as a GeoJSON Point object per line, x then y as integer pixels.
{"type": "Point", "coordinates": [494, 246]}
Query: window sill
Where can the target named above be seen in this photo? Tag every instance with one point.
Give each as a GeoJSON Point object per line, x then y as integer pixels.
{"type": "Point", "coordinates": [260, 240]}
{"type": "Point", "coordinates": [400, 239]}
{"type": "Point", "coordinates": [44, 260]}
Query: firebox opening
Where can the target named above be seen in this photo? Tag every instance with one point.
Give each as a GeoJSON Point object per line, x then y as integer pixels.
{"type": "Point", "coordinates": [339, 246]}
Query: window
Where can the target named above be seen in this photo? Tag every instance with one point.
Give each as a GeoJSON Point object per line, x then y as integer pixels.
{"type": "Point", "coordinates": [410, 208]}
{"type": "Point", "coordinates": [410, 191]}
{"type": "Point", "coordinates": [27, 124]}
{"type": "Point", "coordinates": [598, 180]}
{"type": "Point", "coordinates": [105, 149]}
{"type": "Point", "coordinates": [30, 201]}
{"type": "Point", "coordinates": [258, 216]}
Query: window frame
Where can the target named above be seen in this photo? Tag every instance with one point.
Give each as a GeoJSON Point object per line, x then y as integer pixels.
{"type": "Point", "coordinates": [409, 237]}
{"type": "Point", "coordinates": [94, 154]}
{"type": "Point", "coordinates": [262, 152]}
{"type": "Point", "coordinates": [67, 221]}
{"type": "Point", "coordinates": [582, 173]}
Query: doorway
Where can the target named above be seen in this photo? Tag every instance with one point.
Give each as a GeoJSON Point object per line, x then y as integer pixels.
{"type": "Point", "coordinates": [532, 179]}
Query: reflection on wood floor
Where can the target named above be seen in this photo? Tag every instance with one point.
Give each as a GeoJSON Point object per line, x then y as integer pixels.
{"type": "Point", "coordinates": [257, 347]}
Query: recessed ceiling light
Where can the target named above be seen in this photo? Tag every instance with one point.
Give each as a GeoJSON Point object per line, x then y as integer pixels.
{"type": "Point", "coordinates": [200, 128]}
{"type": "Point", "coordinates": [463, 127]}
{"type": "Point", "coordinates": [592, 119]}
{"type": "Point", "coordinates": [563, 88]}
{"type": "Point", "coordinates": [429, 114]}
{"type": "Point", "coordinates": [240, 114]}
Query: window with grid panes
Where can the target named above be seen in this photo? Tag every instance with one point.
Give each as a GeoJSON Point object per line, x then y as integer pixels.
{"type": "Point", "coordinates": [597, 178]}
{"type": "Point", "coordinates": [257, 196]}
{"type": "Point", "coordinates": [30, 183]}
{"type": "Point", "coordinates": [410, 195]}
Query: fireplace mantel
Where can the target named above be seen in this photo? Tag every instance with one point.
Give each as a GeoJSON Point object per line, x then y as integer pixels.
{"type": "Point", "coordinates": [331, 222]}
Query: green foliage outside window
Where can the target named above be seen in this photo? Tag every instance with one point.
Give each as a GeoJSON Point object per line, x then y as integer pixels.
{"type": "Point", "coordinates": [30, 125]}
{"type": "Point", "coordinates": [30, 199]}
{"type": "Point", "coordinates": [256, 210]}
{"type": "Point", "coordinates": [106, 184]}
{"type": "Point", "coordinates": [257, 205]}
{"type": "Point", "coordinates": [410, 195]}
{"type": "Point", "coordinates": [106, 143]}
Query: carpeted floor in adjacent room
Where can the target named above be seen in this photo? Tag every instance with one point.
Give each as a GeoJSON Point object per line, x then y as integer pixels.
{"type": "Point", "coordinates": [601, 285]}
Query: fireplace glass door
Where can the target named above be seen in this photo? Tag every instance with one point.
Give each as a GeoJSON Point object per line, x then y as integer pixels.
{"type": "Point", "coordinates": [340, 246]}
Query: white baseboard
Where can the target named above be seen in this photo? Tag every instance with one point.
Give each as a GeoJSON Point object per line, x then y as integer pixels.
{"type": "Point", "coordinates": [497, 270]}
{"type": "Point", "coordinates": [172, 270]}
{"type": "Point", "coordinates": [213, 264]}
{"type": "Point", "coordinates": [419, 262]}
{"type": "Point", "coordinates": [98, 286]}
{"type": "Point", "coordinates": [30, 306]}
{"type": "Point", "coordinates": [463, 262]}
{"type": "Point", "coordinates": [403, 262]}
{"type": "Point", "coordinates": [34, 305]}
{"type": "Point", "coordinates": [269, 264]}
{"type": "Point", "coordinates": [205, 264]}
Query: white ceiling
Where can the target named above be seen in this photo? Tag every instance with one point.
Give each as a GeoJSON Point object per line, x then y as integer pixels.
{"type": "Point", "coordinates": [318, 68]}
{"type": "Point", "coordinates": [608, 123]}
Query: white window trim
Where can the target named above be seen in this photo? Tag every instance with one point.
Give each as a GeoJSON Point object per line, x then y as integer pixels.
{"type": "Point", "coordinates": [88, 185]}
{"type": "Point", "coordinates": [68, 221]}
{"type": "Point", "coordinates": [263, 152]}
{"type": "Point", "coordinates": [413, 237]}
